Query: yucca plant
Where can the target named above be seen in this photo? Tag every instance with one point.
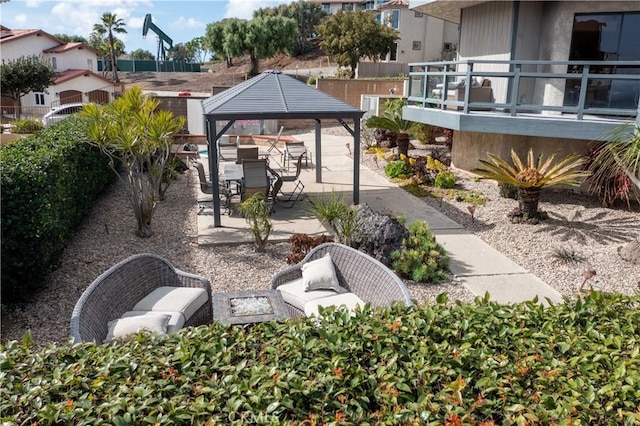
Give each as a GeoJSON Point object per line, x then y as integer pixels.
{"type": "Point", "coordinates": [532, 176]}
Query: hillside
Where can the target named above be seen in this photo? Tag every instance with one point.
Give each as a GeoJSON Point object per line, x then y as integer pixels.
{"type": "Point", "coordinates": [219, 75]}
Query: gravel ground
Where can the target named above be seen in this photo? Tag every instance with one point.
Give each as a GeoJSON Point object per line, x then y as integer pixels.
{"type": "Point", "coordinates": [107, 236]}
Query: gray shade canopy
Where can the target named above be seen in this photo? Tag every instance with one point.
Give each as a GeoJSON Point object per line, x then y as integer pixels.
{"type": "Point", "coordinates": [274, 95]}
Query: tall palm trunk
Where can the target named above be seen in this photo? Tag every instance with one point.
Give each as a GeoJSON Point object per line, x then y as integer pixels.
{"type": "Point", "coordinates": [403, 144]}
{"type": "Point", "coordinates": [528, 201]}
{"type": "Point", "coordinates": [114, 66]}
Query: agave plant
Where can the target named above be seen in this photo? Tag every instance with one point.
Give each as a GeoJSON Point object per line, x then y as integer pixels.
{"type": "Point", "coordinates": [532, 176]}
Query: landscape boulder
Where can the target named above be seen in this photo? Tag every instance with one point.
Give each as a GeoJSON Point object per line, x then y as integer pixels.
{"type": "Point", "coordinates": [378, 234]}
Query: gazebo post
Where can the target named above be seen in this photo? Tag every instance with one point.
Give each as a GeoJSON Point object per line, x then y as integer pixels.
{"type": "Point", "coordinates": [356, 161]}
{"type": "Point", "coordinates": [318, 151]}
{"type": "Point", "coordinates": [212, 147]}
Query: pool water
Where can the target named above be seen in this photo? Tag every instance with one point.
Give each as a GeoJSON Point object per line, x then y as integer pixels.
{"type": "Point", "coordinates": [203, 153]}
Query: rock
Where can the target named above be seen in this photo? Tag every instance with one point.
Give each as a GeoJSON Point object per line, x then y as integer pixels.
{"type": "Point", "coordinates": [378, 234]}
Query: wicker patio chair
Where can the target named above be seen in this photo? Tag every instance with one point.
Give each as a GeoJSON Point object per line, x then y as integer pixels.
{"type": "Point", "coordinates": [356, 271]}
{"type": "Point", "coordinates": [119, 288]}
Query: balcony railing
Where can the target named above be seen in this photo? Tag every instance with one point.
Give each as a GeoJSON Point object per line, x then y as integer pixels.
{"type": "Point", "coordinates": [578, 89]}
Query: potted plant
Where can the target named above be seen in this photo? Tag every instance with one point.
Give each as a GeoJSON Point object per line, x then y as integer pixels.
{"type": "Point", "coordinates": [392, 121]}
{"type": "Point", "coordinates": [531, 177]}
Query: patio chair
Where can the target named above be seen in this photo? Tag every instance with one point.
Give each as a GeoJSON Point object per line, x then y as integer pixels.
{"type": "Point", "coordinates": [117, 294]}
{"type": "Point", "coordinates": [207, 188]}
{"type": "Point", "coordinates": [254, 178]}
{"type": "Point", "coordinates": [297, 192]}
{"type": "Point", "coordinates": [356, 272]}
{"type": "Point", "coordinates": [249, 153]}
{"type": "Point", "coordinates": [293, 150]}
{"type": "Point", "coordinates": [227, 150]}
{"type": "Point", "coordinates": [274, 145]}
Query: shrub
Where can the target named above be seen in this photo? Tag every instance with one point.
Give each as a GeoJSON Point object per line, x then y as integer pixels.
{"type": "Point", "coordinates": [27, 125]}
{"type": "Point", "coordinates": [301, 244]}
{"type": "Point", "coordinates": [421, 259]}
{"type": "Point", "coordinates": [396, 169]}
{"type": "Point", "coordinates": [334, 211]}
{"type": "Point", "coordinates": [257, 212]}
{"type": "Point", "coordinates": [489, 363]}
{"type": "Point", "coordinates": [49, 182]}
{"type": "Point", "coordinates": [445, 180]}
{"type": "Point", "coordinates": [311, 81]}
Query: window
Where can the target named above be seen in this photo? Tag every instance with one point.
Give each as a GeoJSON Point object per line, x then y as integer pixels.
{"type": "Point", "coordinates": [39, 98]}
{"type": "Point", "coordinates": [606, 37]}
{"type": "Point", "coordinates": [418, 14]}
{"type": "Point", "coordinates": [395, 19]}
{"type": "Point", "coordinates": [326, 7]}
{"type": "Point", "coordinates": [379, 18]}
{"type": "Point", "coordinates": [54, 63]}
{"type": "Point", "coordinates": [393, 56]}
{"type": "Point", "coordinates": [416, 45]}
{"type": "Point", "coordinates": [347, 6]}
{"type": "Point", "coordinates": [369, 5]}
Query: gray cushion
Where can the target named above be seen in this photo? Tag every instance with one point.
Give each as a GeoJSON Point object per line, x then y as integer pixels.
{"type": "Point", "coordinates": [123, 326]}
{"type": "Point", "coordinates": [176, 319]}
{"type": "Point", "coordinates": [294, 294]}
{"type": "Point", "coordinates": [185, 300]}
{"type": "Point", "coordinates": [349, 300]}
{"type": "Point", "coordinates": [320, 274]}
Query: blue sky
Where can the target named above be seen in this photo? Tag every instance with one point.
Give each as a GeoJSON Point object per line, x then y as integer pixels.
{"type": "Point", "coordinates": [180, 20]}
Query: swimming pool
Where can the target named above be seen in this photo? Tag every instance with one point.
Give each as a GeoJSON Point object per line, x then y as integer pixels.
{"type": "Point", "coordinates": [204, 153]}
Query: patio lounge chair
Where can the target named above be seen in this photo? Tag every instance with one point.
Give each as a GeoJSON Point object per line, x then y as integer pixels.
{"type": "Point", "coordinates": [119, 291]}
{"type": "Point", "coordinates": [293, 150]}
{"type": "Point", "coordinates": [357, 272]}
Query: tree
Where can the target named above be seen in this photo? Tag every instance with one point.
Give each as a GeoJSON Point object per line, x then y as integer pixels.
{"type": "Point", "coordinates": [111, 24]}
{"type": "Point", "coordinates": [23, 75]}
{"type": "Point", "coordinates": [138, 136]}
{"type": "Point", "coordinates": [71, 38]}
{"type": "Point", "coordinates": [615, 170]}
{"type": "Point", "coordinates": [531, 177]}
{"type": "Point", "coordinates": [214, 40]}
{"type": "Point", "coordinates": [142, 55]}
{"type": "Point", "coordinates": [307, 15]}
{"type": "Point", "coordinates": [261, 37]}
{"type": "Point", "coordinates": [197, 49]}
{"type": "Point", "coordinates": [350, 36]}
{"type": "Point", "coordinates": [179, 52]}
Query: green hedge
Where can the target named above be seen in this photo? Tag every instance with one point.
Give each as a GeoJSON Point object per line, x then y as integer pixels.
{"type": "Point", "coordinates": [478, 363]}
{"type": "Point", "coordinates": [49, 181]}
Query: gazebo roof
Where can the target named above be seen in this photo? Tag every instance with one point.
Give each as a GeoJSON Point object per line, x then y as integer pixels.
{"type": "Point", "coordinates": [275, 95]}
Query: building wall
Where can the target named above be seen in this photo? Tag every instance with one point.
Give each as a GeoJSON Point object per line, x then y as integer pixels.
{"type": "Point", "coordinates": [81, 84]}
{"type": "Point", "coordinates": [76, 59]}
{"type": "Point", "coordinates": [486, 33]}
{"type": "Point", "coordinates": [26, 46]}
{"type": "Point", "coordinates": [469, 147]}
{"type": "Point", "coordinates": [349, 91]}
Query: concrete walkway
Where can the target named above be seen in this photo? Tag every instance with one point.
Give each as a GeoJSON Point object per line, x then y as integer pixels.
{"type": "Point", "coordinates": [477, 265]}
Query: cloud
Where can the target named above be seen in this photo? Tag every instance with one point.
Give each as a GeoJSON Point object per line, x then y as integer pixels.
{"type": "Point", "coordinates": [243, 9]}
{"type": "Point", "coordinates": [135, 23]}
{"type": "Point", "coordinates": [183, 22]}
{"type": "Point", "coordinates": [20, 19]}
{"type": "Point", "coordinates": [33, 3]}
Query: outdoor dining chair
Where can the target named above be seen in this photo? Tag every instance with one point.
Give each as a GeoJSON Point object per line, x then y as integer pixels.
{"type": "Point", "coordinates": [227, 150]}
{"type": "Point", "coordinates": [287, 200]}
{"type": "Point", "coordinates": [254, 178]}
{"type": "Point", "coordinates": [246, 153]}
{"type": "Point", "coordinates": [274, 145]}
{"type": "Point", "coordinates": [293, 150]}
{"type": "Point", "coordinates": [207, 188]}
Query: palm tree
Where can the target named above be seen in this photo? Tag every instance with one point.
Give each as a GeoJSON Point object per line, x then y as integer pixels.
{"type": "Point", "coordinates": [392, 121]}
{"type": "Point", "coordinates": [615, 170]}
{"type": "Point", "coordinates": [531, 177]}
{"type": "Point", "coordinates": [111, 24]}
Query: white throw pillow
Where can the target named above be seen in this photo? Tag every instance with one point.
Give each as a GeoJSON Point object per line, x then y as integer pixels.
{"type": "Point", "coordinates": [123, 326]}
{"type": "Point", "coordinates": [320, 274]}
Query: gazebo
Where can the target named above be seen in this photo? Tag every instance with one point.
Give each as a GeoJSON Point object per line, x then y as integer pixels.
{"type": "Point", "coordinates": [273, 95]}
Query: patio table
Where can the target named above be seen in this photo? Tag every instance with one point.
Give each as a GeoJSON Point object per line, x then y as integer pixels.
{"type": "Point", "coordinates": [249, 307]}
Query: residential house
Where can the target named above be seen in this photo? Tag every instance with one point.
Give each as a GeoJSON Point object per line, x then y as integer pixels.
{"type": "Point", "coordinates": [422, 38]}
{"type": "Point", "coordinates": [548, 75]}
{"type": "Point", "coordinates": [75, 64]}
